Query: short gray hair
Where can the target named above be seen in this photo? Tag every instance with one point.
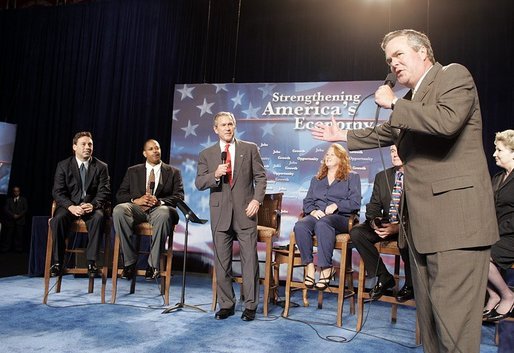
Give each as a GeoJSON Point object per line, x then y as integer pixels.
{"type": "Point", "coordinates": [416, 41]}
{"type": "Point", "coordinates": [230, 115]}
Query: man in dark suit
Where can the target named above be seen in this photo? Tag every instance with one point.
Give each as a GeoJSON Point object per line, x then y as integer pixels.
{"type": "Point", "coordinates": [448, 199]}
{"type": "Point", "coordinates": [233, 172]}
{"type": "Point", "coordinates": [148, 193]}
{"type": "Point", "coordinates": [16, 208]}
{"type": "Point", "coordinates": [381, 224]}
{"type": "Point", "coordinates": [81, 190]}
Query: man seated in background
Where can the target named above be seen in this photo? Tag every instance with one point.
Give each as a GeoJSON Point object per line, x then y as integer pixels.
{"type": "Point", "coordinates": [382, 223]}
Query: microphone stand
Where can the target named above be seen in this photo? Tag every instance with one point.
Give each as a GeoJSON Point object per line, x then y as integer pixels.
{"type": "Point", "coordinates": [189, 216]}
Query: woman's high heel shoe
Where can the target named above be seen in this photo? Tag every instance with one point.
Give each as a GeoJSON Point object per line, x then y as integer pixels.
{"type": "Point", "coordinates": [324, 282]}
{"type": "Point", "coordinates": [494, 316]}
{"type": "Point", "coordinates": [309, 282]}
{"type": "Point", "coordinates": [487, 312]}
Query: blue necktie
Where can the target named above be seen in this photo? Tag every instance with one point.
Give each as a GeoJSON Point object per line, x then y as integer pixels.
{"type": "Point", "coordinates": [395, 197]}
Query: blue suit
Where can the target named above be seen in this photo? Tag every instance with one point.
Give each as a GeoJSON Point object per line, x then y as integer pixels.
{"type": "Point", "coordinates": [346, 194]}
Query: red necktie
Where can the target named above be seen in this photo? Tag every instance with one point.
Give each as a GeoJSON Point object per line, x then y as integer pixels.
{"type": "Point", "coordinates": [229, 161]}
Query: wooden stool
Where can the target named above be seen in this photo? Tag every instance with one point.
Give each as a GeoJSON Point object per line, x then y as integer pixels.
{"type": "Point", "coordinates": [144, 229]}
{"type": "Point", "coordinates": [77, 226]}
{"type": "Point", "coordinates": [344, 288]}
{"type": "Point", "coordinates": [388, 248]}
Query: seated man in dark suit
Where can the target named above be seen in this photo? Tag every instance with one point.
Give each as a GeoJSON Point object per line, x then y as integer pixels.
{"type": "Point", "coordinates": [148, 193]}
{"type": "Point", "coordinates": [382, 223]}
{"type": "Point", "coordinates": [81, 190]}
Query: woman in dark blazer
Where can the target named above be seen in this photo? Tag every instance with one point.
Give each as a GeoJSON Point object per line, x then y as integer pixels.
{"type": "Point", "coordinates": [501, 299]}
{"type": "Point", "coordinates": [334, 193]}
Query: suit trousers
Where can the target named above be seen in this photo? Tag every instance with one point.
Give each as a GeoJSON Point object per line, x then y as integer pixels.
{"type": "Point", "coordinates": [364, 239]}
{"type": "Point", "coordinates": [126, 215]}
{"type": "Point", "coordinates": [60, 223]}
{"type": "Point", "coordinates": [450, 288]}
{"type": "Point", "coordinates": [325, 230]}
{"type": "Point", "coordinates": [223, 241]}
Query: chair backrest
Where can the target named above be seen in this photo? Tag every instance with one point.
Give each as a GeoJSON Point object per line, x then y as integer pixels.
{"type": "Point", "coordinates": [270, 211]}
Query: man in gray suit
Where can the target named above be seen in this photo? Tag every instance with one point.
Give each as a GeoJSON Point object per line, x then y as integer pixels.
{"type": "Point", "coordinates": [148, 193]}
{"type": "Point", "coordinates": [233, 172]}
{"type": "Point", "coordinates": [448, 205]}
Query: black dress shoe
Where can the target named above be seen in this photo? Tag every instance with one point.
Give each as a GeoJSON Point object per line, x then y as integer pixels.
{"type": "Point", "coordinates": [222, 314]}
{"type": "Point", "coordinates": [55, 270]}
{"type": "Point", "coordinates": [129, 272]}
{"type": "Point", "coordinates": [248, 315]}
{"type": "Point", "coordinates": [406, 293]}
{"type": "Point", "coordinates": [92, 270]}
{"type": "Point", "coordinates": [152, 273]}
{"type": "Point", "coordinates": [380, 288]}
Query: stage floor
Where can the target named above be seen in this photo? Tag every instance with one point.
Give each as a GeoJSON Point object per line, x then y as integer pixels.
{"type": "Point", "coordinates": [76, 321]}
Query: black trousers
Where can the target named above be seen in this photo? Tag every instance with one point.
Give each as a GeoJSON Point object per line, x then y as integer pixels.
{"type": "Point", "coordinates": [364, 239]}
{"type": "Point", "coordinates": [60, 223]}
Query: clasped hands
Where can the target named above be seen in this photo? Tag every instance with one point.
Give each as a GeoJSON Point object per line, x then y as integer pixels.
{"type": "Point", "coordinates": [80, 210]}
{"type": "Point", "coordinates": [146, 201]}
{"type": "Point", "coordinates": [386, 230]}
{"type": "Point", "coordinates": [330, 209]}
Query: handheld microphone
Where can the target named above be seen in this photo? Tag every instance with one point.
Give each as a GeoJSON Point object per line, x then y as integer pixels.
{"type": "Point", "coordinates": [223, 160]}
{"type": "Point", "coordinates": [390, 80]}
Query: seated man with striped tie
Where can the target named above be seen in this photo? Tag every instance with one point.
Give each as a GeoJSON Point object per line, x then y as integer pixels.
{"type": "Point", "coordinates": [148, 193]}
{"type": "Point", "coordinates": [382, 223]}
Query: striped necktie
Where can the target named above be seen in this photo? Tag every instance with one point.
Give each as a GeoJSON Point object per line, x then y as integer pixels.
{"type": "Point", "coordinates": [395, 197]}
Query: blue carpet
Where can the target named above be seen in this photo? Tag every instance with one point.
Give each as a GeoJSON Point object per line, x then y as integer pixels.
{"type": "Point", "coordinates": [76, 321]}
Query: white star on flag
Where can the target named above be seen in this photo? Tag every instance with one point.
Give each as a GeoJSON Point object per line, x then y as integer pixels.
{"type": "Point", "coordinates": [189, 129]}
{"type": "Point", "coordinates": [186, 92]}
{"type": "Point", "coordinates": [251, 112]}
{"type": "Point", "coordinates": [237, 99]}
{"type": "Point", "coordinates": [205, 107]}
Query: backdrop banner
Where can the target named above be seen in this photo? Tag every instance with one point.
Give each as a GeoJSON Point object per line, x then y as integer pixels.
{"type": "Point", "coordinates": [277, 117]}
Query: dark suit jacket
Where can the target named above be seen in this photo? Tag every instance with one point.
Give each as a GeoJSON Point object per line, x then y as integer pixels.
{"type": "Point", "coordinates": [67, 189]}
{"type": "Point", "coordinates": [380, 200]}
{"type": "Point", "coordinates": [446, 182]}
{"type": "Point", "coordinates": [20, 208]}
{"type": "Point", "coordinates": [169, 189]}
{"type": "Point", "coordinates": [504, 202]}
{"type": "Point", "coordinates": [249, 183]}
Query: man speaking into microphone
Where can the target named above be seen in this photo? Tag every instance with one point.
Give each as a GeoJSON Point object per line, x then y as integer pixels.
{"type": "Point", "coordinates": [148, 193]}
{"type": "Point", "coordinates": [234, 173]}
{"type": "Point", "coordinates": [448, 208]}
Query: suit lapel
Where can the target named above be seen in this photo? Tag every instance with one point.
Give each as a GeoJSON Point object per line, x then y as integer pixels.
{"type": "Point", "coordinates": [429, 79]}
{"type": "Point", "coordinates": [162, 180]}
{"type": "Point", "coordinates": [75, 171]}
{"type": "Point", "coordinates": [239, 152]}
{"type": "Point", "coordinates": [90, 174]}
{"type": "Point", "coordinates": [141, 176]}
